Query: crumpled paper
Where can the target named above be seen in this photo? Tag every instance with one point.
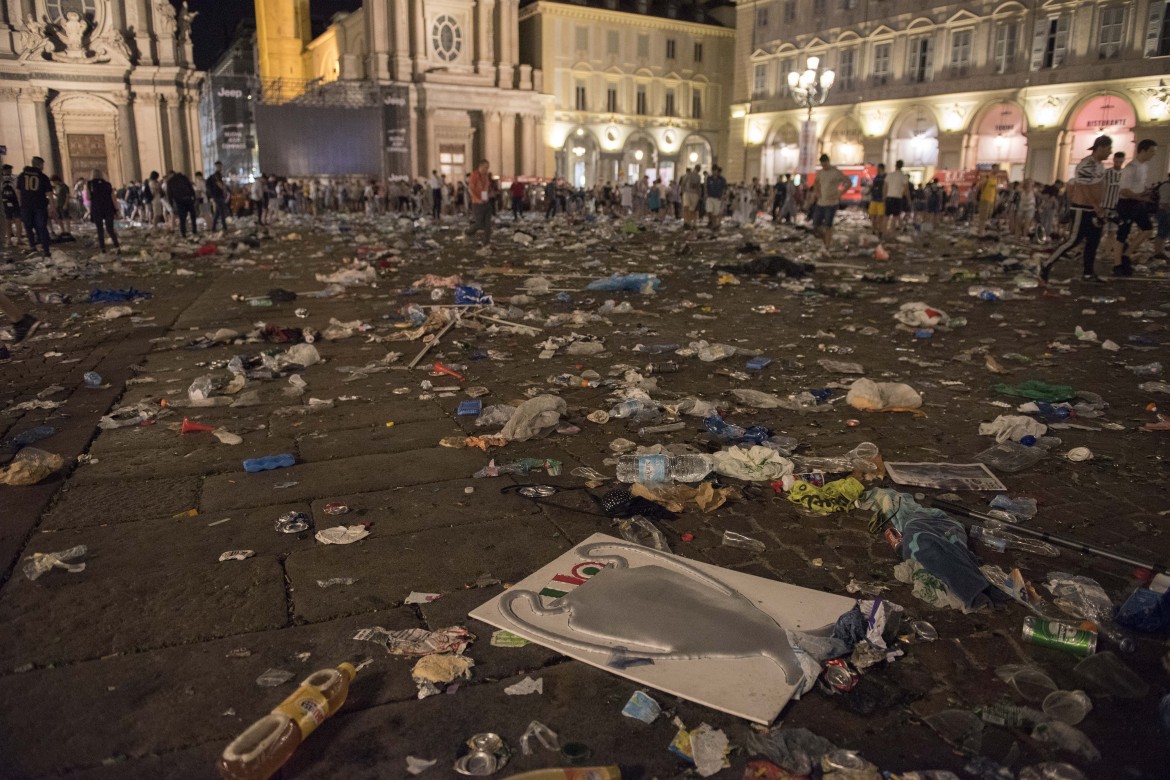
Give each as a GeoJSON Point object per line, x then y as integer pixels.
{"type": "Point", "coordinates": [1012, 426]}
{"type": "Point", "coordinates": [30, 466]}
{"type": "Point", "coordinates": [535, 414]}
{"type": "Point", "coordinates": [418, 641]}
{"type": "Point", "coordinates": [754, 464]}
{"type": "Point", "coordinates": [870, 396]}
{"type": "Point", "coordinates": [340, 534]}
{"type": "Point", "coordinates": [920, 315]}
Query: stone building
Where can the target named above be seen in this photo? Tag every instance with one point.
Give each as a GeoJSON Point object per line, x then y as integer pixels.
{"type": "Point", "coordinates": [106, 84]}
{"type": "Point", "coordinates": [634, 93]}
{"type": "Point", "coordinates": [949, 86]}
{"type": "Point", "coordinates": [456, 64]}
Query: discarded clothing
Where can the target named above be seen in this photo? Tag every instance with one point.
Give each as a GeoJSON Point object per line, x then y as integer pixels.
{"type": "Point", "coordinates": [754, 464]}
{"type": "Point", "coordinates": [113, 296]}
{"type": "Point", "coordinates": [1012, 427]}
{"type": "Point", "coordinates": [836, 496]}
{"type": "Point", "coordinates": [772, 265]}
{"type": "Point", "coordinates": [934, 539]}
{"type": "Point", "coordinates": [871, 396]}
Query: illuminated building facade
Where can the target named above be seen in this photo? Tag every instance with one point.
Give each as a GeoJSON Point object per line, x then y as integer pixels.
{"type": "Point", "coordinates": [949, 86]}
{"type": "Point", "coordinates": [107, 84]}
{"type": "Point", "coordinates": [635, 93]}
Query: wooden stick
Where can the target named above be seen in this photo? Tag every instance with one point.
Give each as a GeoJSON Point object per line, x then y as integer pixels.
{"type": "Point", "coordinates": [483, 316]}
{"type": "Point", "coordinates": [435, 340]}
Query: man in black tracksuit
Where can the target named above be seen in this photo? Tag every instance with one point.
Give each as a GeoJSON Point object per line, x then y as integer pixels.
{"type": "Point", "coordinates": [34, 188]}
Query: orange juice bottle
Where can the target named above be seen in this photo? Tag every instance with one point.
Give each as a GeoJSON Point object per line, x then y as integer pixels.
{"type": "Point", "coordinates": [269, 742]}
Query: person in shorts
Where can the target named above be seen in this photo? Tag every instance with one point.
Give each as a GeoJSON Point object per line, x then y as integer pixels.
{"type": "Point", "coordinates": [827, 189]}
{"type": "Point", "coordinates": [1135, 190]}
{"type": "Point", "coordinates": [896, 190]}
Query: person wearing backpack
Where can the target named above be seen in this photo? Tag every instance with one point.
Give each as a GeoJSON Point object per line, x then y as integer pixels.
{"type": "Point", "coordinates": [181, 192]}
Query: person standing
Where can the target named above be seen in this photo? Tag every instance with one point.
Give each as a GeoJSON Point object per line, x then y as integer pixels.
{"type": "Point", "coordinates": [827, 189]}
{"type": "Point", "coordinates": [627, 196]}
{"type": "Point", "coordinates": [256, 197]}
{"type": "Point", "coordinates": [15, 227]}
{"type": "Point", "coordinates": [60, 206]}
{"type": "Point", "coordinates": [103, 210]}
{"type": "Point", "coordinates": [877, 201]}
{"type": "Point", "coordinates": [436, 186]}
{"type": "Point", "coordinates": [716, 189]}
{"type": "Point", "coordinates": [1086, 194]}
{"type": "Point", "coordinates": [654, 200]}
{"type": "Point", "coordinates": [691, 188]}
{"type": "Point", "coordinates": [550, 199]}
{"type": "Point", "coordinates": [218, 197]}
{"type": "Point", "coordinates": [516, 193]}
{"type": "Point", "coordinates": [181, 192]}
{"type": "Point", "coordinates": [895, 191]}
{"type": "Point", "coordinates": [1133, 205]}
{"type": "Point", "coordinates": [480, 186]}
{"type": "Point", "coordinates": [33, 188]}
{"type": "Point", "coordinates": [200, 196]}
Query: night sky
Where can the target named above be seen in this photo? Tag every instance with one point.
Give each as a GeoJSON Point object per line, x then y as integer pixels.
{"type": "Point", "coordinates": [218, 19]}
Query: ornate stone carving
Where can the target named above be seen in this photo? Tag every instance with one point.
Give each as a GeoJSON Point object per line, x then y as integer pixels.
{"type": "Point", "coordinates": [74, 38]}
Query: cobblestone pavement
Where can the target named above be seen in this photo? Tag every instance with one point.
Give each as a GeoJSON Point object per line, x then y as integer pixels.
{"type": "Point", "coordinates": [126, 670]}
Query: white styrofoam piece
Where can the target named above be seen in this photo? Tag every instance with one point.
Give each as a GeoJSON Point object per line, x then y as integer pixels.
{"type": "Point", "coordinates": [750, 688]}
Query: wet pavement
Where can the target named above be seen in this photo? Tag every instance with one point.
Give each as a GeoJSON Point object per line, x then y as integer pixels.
{"type": "Point", "coordinates": [136, 666]}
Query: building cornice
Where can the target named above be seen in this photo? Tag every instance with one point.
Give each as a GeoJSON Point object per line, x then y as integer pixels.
{"type": "Point", "coordinates": [624, 18]}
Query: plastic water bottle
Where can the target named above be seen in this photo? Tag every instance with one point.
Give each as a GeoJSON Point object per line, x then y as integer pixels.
{"type": "Point", "coordinates": [662, 367]}
{"type": "Point", "coordinates": [628, 409]}
{"type": "Point", "coordinates": [718, 426]}
{"type": "Point", "coordinates": [641, 531]}
{"type": "Point", "coordinates": [663, 468]}
{"type": "Point", "coordinates": [1053, 412]}
{"type": "Point", "coordinates": [1002, 541]}
{"type": "Point", "coordinates": [268, 743]}
{"type": "Point", "coordinates": [1020, 507]}
{"type": "Point", "coordinates": [284, 460]}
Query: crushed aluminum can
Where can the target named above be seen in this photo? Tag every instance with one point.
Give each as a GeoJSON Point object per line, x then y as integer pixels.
{"type": "Point", "coordinates": [335, 508]}
{"type": "Point", "coordinates": [293, 522]}
{"type": "Point", "coordinates": [839, 677]}
{"type": "Point", "coordinates": [893, 537]}
{"type": "Point", "coordinates": [537, 491]}
{"type": "Point", "coordinates": [488, 754]}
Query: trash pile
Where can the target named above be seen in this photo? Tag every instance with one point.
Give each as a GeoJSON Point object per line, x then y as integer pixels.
{"type": "Point", "coordinates": [794, 475]}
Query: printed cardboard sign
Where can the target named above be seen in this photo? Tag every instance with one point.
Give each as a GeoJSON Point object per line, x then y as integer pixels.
{"type": "Point", "coordinates": [707, 634]}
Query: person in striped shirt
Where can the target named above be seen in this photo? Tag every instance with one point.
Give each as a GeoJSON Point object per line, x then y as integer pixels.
{"type": "Point", "coordinates": [1110, 248]}
{"type": "Point", "coordinates": [1086, 192]}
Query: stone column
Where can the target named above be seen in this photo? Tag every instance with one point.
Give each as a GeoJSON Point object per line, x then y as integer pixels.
{"type": "Point", "coordinates": [44, 133]}
{"type": "Point", "coordinates": [1042, 155]}
{"type": "Point", "coordinates": [177, 135]}
{"type": "Point", "coordinates": [507, 35]}
{"type": "Point", "coordinates": [951, 150]}
{"type": "Point", "coordinates": [400, 50]}
{"type": "Point", "coordinates": [420, 35]}
{"type": "Point", "coordinates": [508, 144]}
{"type": "Point", "coordinates": [483, 37]}
{"type": "Point", "coordinates": [194, 134]}
{"type": "Point", "coordinates": [544, 155]}
{"type": "Point", "coordinates": [127, 144]}
{"type": "Point", "coordinates": [148, 127]}
{"type": "Point", "coordinates": [528, 148]}
{"type": "Point", "coordinates": [491, 140]}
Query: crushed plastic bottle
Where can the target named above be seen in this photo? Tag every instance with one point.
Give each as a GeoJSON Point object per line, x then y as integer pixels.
{"type": "Point", "coordinates": [268, 743]}
{"type": "Point", "coordinates": [631, 408]}
{"type": "Point", "coordinates": [663, 468]}
{"type": "Point", "coordinates": [737, 434]}
{"type": "Point", "coordinates": [650, 430]}
{"type": "Point", "coordinates": [733, 539]}
{"type": "Point", "coordinates": [1022, 507]}
{"type": "Point", "coordinates": [1001, 541]}
{"type": "Point", "coordinates": [1069, 707]}
{"type": "Point", "coordinates": [639, 530]}
{"type": "Point", "coordinates": [40, 563]}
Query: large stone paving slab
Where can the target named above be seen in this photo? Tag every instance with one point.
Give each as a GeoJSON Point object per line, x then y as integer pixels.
{"type": "Point", "coordinates": [71, 617]}
{"type": "Point", "coordinates": [338, 477]}
{"type": "Point", "coordinates": [173, 697]}
{"type": "Point", "coordinates": [438, 561]}
{"type": "Point", "coordinates": [122, 501]}
{"type": "Point", "coordinates": [326, 445]}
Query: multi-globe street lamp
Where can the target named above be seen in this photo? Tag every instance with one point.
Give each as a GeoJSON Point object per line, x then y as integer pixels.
{"type": "Point", "coordinates": [810, 89]}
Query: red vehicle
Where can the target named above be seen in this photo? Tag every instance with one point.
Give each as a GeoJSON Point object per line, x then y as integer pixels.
{"type": "Point", "coordinates": [859, 176]}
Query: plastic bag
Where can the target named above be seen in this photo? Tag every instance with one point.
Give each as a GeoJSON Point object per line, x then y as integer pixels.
{"type": "Point", "coordinates": [870, 396]}
{"type": "Point", "coordinates": [754, 464]}
{"type": "Point", "coordinates": [532, 416]}
{"type": "Point", "coordinates": [30, 466]}
{"type": "Point", "coordinates": [40, 563]}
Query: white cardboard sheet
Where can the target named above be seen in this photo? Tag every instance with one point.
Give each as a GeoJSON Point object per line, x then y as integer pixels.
{"type": "Point", "coordinates": [752, 688]}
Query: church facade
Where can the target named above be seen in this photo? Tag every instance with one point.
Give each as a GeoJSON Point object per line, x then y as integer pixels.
{"type": "Point", "coordinates": [456, 63]}
{"type": "Point", "coordinates": [107, 84]}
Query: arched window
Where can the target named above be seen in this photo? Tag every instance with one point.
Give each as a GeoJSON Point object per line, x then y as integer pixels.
{"type": "Point", "coordinates": [446, 38]}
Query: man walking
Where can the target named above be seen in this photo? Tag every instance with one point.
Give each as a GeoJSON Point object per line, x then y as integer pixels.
{"type": "Point", "coordinates": [14, 228]}
{"type": "Point", "coordinates": [103, 209]}
{"type": "Point", "coordinates": [897, 187]}
{"type": "Point", "coordinates": [217, 194]}
{"type": "Point", "coordinates": [33, 187]}
{"type": "Point", "coordinates": [1133, 206]}
{"type": "Point", "coordinates": [827, 189]}
{"type": "Point", "coordinates": [181, 192]}
{"type": "Point", "coordinates": [877, 201]}
{"type": "Point", "coordinates": [1086, 194]}
{"type": "Point", "coordinates": [436, 185]}
{"type": "Point", "coordinates": [692, 187]}
{"type": "Point", "coordinates": [480, 184]}
{"type": "Point", "coordinates": [516, 192]}
{"type": "Point", "coordinates": [716, 188]}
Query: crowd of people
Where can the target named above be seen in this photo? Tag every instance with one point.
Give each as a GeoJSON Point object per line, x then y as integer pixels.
{"type": "Point", "coordinates": [1100, 208]}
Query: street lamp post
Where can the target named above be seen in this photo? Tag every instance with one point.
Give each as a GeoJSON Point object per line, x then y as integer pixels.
{"type": "Point", "coordinates": [810, 89]}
